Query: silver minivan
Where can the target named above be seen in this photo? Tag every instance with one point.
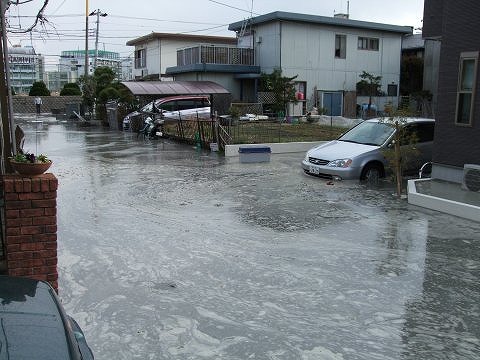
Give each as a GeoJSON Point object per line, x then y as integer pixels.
{"type": "Point", "coordinates": [359, 153]}
{"type": "Point", "coordinates": [179, 107]}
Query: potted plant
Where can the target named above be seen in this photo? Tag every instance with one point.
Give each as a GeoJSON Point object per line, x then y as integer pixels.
{"type": "Point", "coordinates": [28, 164]}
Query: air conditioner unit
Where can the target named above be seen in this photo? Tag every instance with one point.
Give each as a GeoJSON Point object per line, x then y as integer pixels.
{"type": "Point", "coordinates": [471, 177]}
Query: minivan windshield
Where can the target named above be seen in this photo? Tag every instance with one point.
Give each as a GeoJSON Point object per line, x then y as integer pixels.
{"type": "Point", "coordinates": [368, 133]}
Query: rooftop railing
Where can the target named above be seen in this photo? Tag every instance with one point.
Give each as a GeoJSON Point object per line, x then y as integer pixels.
{"type": "Point", "coordinates": [223, 55]}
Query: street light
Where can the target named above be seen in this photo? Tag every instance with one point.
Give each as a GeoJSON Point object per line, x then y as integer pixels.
{"type": "Point", "coordinates": [102, 14]}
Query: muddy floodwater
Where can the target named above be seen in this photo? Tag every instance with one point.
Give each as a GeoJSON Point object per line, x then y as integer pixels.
{"type": "Point", "coordinates": [169, 252]}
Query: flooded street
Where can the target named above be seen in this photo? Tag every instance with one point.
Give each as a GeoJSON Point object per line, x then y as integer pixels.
{"type": "Point", "coordinates": [168, 252]}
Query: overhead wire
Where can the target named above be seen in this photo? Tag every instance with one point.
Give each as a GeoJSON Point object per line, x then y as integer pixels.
{"type": "Point", "coordinates": [231, 7]}
{"type": "Point", "coordinates": [56, 32]}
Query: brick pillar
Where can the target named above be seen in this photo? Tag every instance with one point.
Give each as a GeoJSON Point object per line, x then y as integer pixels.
{"type": "Point", "coordinates": [30, 244]}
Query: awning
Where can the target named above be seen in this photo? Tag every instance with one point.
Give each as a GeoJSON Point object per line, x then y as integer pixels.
{"type": "Point", "coordinates": [174, 88]}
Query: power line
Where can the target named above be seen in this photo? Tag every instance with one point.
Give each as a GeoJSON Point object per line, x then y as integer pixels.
{"type": "Point", "coordinates": [163, 20]}
{"type": "Point", "coordinates": [120, 17]}
{"type": "Point", "coordinates": [232, 7]}
{"type": "Point", "coordinates": [59, 6]}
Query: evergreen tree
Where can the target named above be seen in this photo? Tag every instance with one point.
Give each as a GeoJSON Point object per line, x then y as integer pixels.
{"type": "Point", "coordinates": [70, 89]}
{"type": "Point", "coordinates": [39, 89]}
{"type": "Point", "coordinates": [282, 88]}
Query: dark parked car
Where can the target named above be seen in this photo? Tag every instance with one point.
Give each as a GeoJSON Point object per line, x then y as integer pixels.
{"type": "Point", "coordinates": [35, 325]}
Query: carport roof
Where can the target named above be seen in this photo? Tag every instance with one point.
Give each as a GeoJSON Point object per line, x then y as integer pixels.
{"type": "Point", "coordinates": [174, 87]}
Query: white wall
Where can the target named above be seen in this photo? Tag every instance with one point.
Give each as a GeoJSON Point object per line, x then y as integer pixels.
{"type": "Point", "coordinates": [162, 53]}
{"type": "Point", "coordinates": [267, 51]}
{"type": "Point", "coordinates": [308, 50]}
{"type": "Point", "coordinates": [225, 80]}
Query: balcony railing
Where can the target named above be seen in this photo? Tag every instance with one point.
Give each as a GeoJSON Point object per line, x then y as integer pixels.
{"type": "Point", "coordinates": [223, 55]}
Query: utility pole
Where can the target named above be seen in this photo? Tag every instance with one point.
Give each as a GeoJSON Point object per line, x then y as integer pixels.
{"type": "Point", "coordinates": [86, 39]}
{"type": "Point", "coordinates": [98, 13]}
{"type": "Point", "coordinates": [7, 133]}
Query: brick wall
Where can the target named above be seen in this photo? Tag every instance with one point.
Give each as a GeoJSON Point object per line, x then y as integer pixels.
{"type": "Point", "coordinates": [30, 242]}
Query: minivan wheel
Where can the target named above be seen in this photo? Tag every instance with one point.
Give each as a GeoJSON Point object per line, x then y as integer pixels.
{"type": "Point", "coordinates": [372, 173]}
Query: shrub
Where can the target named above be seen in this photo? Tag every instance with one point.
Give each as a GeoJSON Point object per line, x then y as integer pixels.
{"type": "Point", "coordinates": [39, 89]}
{"type": "Point", "coordinates": [70, 89]}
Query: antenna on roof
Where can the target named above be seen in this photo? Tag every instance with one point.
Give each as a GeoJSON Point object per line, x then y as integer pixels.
{"type": "Point", "coordinates": [246, 22]}
{"type": "Point", "coordinates": [242, 29]}
{"type": "Point", "coordinates": [342, 15]}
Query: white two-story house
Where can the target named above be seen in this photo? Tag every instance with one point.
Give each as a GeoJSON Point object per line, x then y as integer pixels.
{"type": "Point", "coordinates": [155, 52]}
{"type": "Point", "coordinates": [327, 54]}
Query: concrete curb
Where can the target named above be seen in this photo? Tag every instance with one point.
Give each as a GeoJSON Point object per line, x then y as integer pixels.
{"type": "Point", "coordinates": [451, 207]}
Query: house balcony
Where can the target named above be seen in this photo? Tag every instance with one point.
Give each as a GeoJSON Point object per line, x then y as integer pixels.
{"type": "Point", "coordinates": [225, 55]}
{"type": "Point", "coordinates": [223, 59]}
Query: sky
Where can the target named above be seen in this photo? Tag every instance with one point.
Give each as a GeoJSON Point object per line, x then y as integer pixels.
{"type": "Point", "coordinates": [130, 19]}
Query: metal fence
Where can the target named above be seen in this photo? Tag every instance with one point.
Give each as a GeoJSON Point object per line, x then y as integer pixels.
{"type": "Point", "coordinates": [277, 131]}
{"type": "Point", "coordinates": [228, 131]}
{"type": "Point", "coordinates": [248, 108]}
{"type": "Point", "coordinates": [199, 132]}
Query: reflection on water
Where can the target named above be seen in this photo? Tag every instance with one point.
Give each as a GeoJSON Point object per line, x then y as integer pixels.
{"type": "Point", "coordinates": [443, 322]}
{"type": "Point", "coordinates": [398, 238]}
{"type": "Point", "coordinates": [169, 252]}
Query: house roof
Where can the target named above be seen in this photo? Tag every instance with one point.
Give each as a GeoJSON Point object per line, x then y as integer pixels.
{"type": "Point", "coordinates": [321, 20]}
{"type": "Point", "coordinates": [187, 37]}
{"type": "Point", "coordinates": [413, 41]}
{"type": "Point", "coordinates": [174, 87]}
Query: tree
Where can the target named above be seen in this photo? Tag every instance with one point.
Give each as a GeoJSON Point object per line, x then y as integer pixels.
{"type": "Point", "coordinates": [39, 89]}
{"type": "Point", "coordinates": [101, 88]}
{"type": "Point", "coordinates": [126, 101]}
{"type": "Point", "coordinates": [70, 89]}
{"type": "Point", "coordinates": [104, 77]}
{"type": "Point", "coordinates": [403, 147]}
{"type": "Point", "coordinates": [105, 90]}
{"type": "Point", "coordinates": [282, 88]}
{"type": "Point", "coordinates": [370, 86]}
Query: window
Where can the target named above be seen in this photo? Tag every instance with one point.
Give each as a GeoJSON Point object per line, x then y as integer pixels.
{"type": "Point", "coordinates": [467, 76]}
{"type": "Point", "coordinates": [365, 43]}
{"type": "Point", "coordinates": [340, 46]}
{"type": "Point", "coordinates": [186, 104]}
{"type": "Point", "coordinates": [140, 58]}
{"type": "Point", "coordinates": [425, 132]}
{"type": "Point", "coordinates": [169, 106]}
{"type": "Point", "coordinates": [418, 133]}
{"type": "Point", "coordinates": [392, 90]}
